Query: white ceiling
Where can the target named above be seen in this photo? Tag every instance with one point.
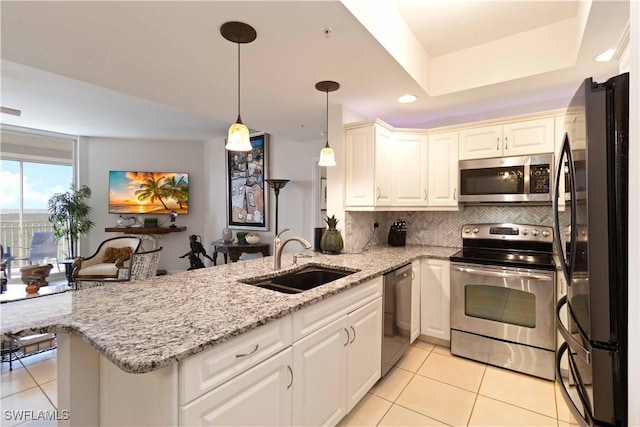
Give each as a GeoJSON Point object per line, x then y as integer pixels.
{"type": "Point", "coordinates": [161, 70]}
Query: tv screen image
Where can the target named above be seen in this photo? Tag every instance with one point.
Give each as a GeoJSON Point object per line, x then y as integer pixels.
{"type": "Point", "coordinates": [148, 192]}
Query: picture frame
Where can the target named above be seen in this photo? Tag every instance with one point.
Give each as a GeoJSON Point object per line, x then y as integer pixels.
{"type": "Point", "coordinates": [323, 194]}
{"type": "Point", "coordinates": [247, 206]}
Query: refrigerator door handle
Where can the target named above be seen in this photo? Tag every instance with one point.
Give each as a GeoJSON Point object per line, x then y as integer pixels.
{"type": "Point", "coordinates": [563, 389]}
{"type": "Point", "coordinates": [574, 344]}
{"type": "Point", "coordinates": [567, 267]}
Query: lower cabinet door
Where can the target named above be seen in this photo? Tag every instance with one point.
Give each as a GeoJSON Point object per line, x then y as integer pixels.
{"type": "Point", "coordinates": [434, 294]}
{"type": "Point", "coordinates": [365, 351]}
{"type": "Point", "coordinates": [415, 300]}
{"type": "Point", "coordinates": [319, 376]}
{"type": "Point", "coordinates": [260, 396]}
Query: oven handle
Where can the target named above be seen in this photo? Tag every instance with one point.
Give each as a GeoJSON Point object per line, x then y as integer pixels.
{"type": "Point", "coordinates": [503, 273]}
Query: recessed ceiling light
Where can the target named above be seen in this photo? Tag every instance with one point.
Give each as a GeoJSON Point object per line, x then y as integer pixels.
{"type": "Point", "coordinates": [605, 56]}
{"type": "Point", "coordinates": [406, 99]}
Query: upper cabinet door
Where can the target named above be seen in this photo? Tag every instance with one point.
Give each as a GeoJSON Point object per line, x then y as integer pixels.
{"type": "Point", "coordinates": [359, 173]}
{"type": "Point", "coordinates": [409, 186]}
{"type": "Point", "coordinates": [511, 139]}
{"type": "Point", "coordinates": [528, 137]}
{"type": "Point", "coordinates": [443, 169]}
{"type": "Point", "coordinates": [481, 143]}
{"type": "Point", "coordinates": [383, 170]}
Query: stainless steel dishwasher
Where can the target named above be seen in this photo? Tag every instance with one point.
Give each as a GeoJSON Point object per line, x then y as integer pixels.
{"type": "Point", "coordinates": [396, 322]}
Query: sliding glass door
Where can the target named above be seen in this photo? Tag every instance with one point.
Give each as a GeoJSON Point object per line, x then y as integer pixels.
{"type": "Point", "coordinates": [32, 169]}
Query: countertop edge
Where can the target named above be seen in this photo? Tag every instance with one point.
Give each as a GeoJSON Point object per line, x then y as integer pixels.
{"type": "Point", "coordinates": [284, 306]}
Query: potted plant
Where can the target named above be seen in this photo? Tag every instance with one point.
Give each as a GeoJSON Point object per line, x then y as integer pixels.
{"type": "Point", "coordinates": [331, 241]}
{"type": "Point", "coordinates": [70, 217]}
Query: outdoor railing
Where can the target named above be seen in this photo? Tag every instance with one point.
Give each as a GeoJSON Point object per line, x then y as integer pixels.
{"type": "Point", "coordinates": [17, 240]}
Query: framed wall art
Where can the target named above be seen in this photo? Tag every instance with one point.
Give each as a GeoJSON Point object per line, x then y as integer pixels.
{"type": "Point", "coordinates": [246, 192]}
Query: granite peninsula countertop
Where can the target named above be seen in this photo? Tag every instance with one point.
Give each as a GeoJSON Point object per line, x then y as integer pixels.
{"type": "Point", "coordinates": [147, 325]}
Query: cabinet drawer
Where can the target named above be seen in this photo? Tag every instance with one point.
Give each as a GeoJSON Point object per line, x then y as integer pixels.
{"type": "Point", "coordinates": [314, 317]}
{"type": "Point", "coordinates": [208, 369]}
{"type": "Point", "coordinates": [259, 397]}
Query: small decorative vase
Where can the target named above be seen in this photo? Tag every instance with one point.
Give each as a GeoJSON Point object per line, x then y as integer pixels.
{"type": "Point", "coordinates": [252, 239]}
{"type": "Point", "coordinates": [331, 242]}
{"type": "Point", "coordinates": [33, 287]}
{"type": "Point", "coordinates": [227, 236]}
{"type": "Point", "coordinates": [241, 235]}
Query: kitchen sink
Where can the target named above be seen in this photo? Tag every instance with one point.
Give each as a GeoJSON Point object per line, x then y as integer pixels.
{"type": "Point", "coordinates": [306, 278]}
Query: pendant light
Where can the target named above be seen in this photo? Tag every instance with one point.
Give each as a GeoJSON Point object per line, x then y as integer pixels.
{"type": "Point", "coordinates": [238, 32]}
{"type": "Point", "coordinates": [327, 157]}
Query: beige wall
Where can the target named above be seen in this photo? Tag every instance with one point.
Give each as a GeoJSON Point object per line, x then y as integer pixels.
{"type": "Point", "coordinates": [205, 163]}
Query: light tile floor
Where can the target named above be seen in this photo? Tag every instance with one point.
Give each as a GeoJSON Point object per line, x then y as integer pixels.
{"type": "Point", "coordinates": [29, 388]}
{"type": "Point", "coordinates": [431, 387]}
{"type": "Point", "coordinates": [428, 387]}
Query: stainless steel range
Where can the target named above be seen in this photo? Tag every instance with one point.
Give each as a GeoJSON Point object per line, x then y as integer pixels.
{"type": "Point", "coordinates": [503, 293]}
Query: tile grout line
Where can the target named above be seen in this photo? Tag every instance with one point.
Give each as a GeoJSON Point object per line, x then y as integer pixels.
{"type": "Point", "coordinates": [475, 400]}
{"type": "Point", "coordinates": [55, 405]}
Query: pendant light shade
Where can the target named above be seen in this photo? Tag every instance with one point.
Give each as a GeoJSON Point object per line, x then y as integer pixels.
{"type": "Point", "coordinates": [240, 33]}
{"type": "Point", "coordinates": [327, 156]}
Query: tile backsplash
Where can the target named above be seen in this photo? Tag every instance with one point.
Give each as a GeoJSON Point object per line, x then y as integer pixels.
{"type": "Point", "coordinates": [436, 228]}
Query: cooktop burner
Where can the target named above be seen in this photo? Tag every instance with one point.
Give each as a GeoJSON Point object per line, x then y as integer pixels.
{"type": "Point", "coordinates": [509, 245]}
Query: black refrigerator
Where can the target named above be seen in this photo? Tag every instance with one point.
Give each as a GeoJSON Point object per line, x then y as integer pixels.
{"type": "Point", "coordinates": [591, 236]}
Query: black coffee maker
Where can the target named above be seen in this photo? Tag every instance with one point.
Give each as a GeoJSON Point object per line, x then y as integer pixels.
{"type": "Point", "coordinates": [397, 233]}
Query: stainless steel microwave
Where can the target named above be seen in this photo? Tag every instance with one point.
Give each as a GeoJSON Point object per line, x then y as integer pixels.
{"type": "Point", "coordinates": [507, 179]}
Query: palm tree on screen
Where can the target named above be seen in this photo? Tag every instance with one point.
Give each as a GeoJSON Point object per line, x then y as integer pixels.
{"type": "Point", "coordinates": [152, 190]}
{"type": "Point", "coordinates": [177, 189]}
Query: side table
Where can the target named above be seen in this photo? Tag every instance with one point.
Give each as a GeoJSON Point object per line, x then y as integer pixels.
{"type": "Point", "coordinates": [234, 250]}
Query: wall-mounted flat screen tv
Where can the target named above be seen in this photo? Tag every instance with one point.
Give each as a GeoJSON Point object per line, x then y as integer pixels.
{"type": "Point", "coordinates": [148, 192]}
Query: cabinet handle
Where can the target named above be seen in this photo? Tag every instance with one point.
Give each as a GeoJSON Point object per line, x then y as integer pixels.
{"type": "Point", "coordinates": [425, 194]}
{"type": "Point", "coordinates": [354, 335]}
{"type": "Point", "coordinates": [506, 142]}
{"type": "Point", "coordinates": [454, 193]}
{"type": "Point", "coordinates": [291, 372]}
{"type": "Point", "coordinates": [248, 354]}
{"type": "Point", "coordinates": [497, 143]}
{"type": "Point", "coordinates": [346, 342]}
{"type": "Point", "coordinates": [378, 193]}
{"type": "Point", "coordinates": [413, 275]}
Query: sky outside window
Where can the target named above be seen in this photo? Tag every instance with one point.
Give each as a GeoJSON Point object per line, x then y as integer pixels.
{"type": "Point", "coordinates": [40, 182]}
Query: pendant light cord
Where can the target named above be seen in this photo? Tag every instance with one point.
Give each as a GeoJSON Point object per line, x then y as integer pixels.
{"type": "Point", "coordinates": [327, 130]}
{"type": "Point", "coordinates": [238, 82]}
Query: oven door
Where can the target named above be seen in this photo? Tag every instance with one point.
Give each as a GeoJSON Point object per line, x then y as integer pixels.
{"type": "Point", "coordinates": [511, 304]}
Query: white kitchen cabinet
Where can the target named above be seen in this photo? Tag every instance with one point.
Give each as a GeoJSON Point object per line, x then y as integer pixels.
{"type": "Point", "coordinates": [442, 170]}
{"type": "Point", "coordinates": [510, 139]}
{"type": "Point", "coordinates": [368, 150]}
{"type": "Point", "coordinates": [364, 352]}
{"type": "Point", "coordinates": [336, 365]}
{"type": "Point", "coordinates": [410, 169]}
{"type": "Point", "coordinates": [409, 165]}
{"type": "Point", "coordinates": [480, 143]}
{"type": "Point", "coordinates": [415, 300]}
{"type": "Point", "coordinates": [434, 298]}
{"type": "Point", "coordinates": [260, 396]}
{"type": "Point", "coordinates": [208, 369]}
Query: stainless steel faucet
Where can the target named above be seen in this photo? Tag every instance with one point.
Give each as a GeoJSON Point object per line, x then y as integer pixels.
{"type": "Point", "coordinates": [278, 246]}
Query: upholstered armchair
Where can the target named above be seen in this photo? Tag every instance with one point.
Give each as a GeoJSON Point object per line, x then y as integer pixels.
{"type": "Point", "coordinates": [111, 261]}
{"type": "Point", "coordinates": [144, 265]}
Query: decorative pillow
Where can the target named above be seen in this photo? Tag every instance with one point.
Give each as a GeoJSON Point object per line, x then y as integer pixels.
{"type": "Point", "coordinates": [117, 255]}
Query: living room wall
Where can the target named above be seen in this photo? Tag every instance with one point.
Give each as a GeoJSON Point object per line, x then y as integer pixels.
{"type": "Point", "coordinates": [205, 163]}
{"type": "Point", "coordinates": [98, 156]}
{"type": "Point", "coordinates": [288, 159]}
